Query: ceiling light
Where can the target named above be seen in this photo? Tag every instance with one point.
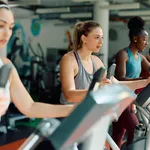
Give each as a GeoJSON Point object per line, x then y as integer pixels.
{"type": "Point", "coordinates": [76, 15]}
{"type": "Point", "coordinates": [145, 17]}
{"type": "Point", "coordinates": [52, 10]}
{"type": "Point", "coordinates": [134, 13]}
{"type": "Point", "coordinates": [27, 17]}
{"type": "Point", "coordinates": [122, 6]}
{"type": "Point", "coordinates": [84, 0]}
{"type": "Point", "coordinates": [24, 3]}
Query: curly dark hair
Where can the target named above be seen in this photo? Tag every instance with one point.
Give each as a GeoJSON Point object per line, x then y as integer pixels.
{"type": "Point", "coordinates": [136, 26]}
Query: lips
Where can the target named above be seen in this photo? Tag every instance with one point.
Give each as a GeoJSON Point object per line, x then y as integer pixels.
{"type": "Point", "coordinates": [98, 47]}
{"type": "Point", "coordinates": [3, 41]}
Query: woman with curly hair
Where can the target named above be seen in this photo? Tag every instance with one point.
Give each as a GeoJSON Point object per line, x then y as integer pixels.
{"type": "Point", "coordinates": [129, 63]}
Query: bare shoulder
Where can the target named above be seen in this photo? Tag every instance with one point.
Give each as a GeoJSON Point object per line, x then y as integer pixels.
{"type": "Point", "coordinates": [6, 60]}
{"type": "Point", "coordinates": [142, 56]}
{"type": "Point", "coordinates": [68, 57]}
{"type": "Point", "coordinates": [144, 59]}
{"type": "Point", "coordinates": [97, 61]}
{"type": "Point", "coordinates": [69, 60]}
{"type": "Point", "coordinates": [122, 54]}
{"type": "Point", "coordinates": [148, 57]}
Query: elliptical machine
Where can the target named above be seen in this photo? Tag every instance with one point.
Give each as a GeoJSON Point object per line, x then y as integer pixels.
{"type": "Point", "coordinates": [93, 116]}
{"type": "Point", "coordinates": [89, 122]}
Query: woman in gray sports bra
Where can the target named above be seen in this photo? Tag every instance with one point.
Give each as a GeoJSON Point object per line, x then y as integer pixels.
{"type": "Point", "coordinates": [78, 66]}
{"type": "Point", "coordinates": [83, 78]}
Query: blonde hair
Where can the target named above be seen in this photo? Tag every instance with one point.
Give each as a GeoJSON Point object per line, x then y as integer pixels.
{"type": "Point", "coordinates": [82, 28]}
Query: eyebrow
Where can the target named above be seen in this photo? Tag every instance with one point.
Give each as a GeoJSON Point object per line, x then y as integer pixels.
{"type": "Point", "coordinates": [99, 35]}
{"type": "Point", "coordinates": [6, 22]}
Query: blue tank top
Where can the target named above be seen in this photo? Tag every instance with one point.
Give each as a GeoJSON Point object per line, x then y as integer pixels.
{"type": "Point", "coordinates": [133, 65]}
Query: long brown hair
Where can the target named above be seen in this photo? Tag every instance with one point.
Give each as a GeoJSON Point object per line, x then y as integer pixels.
{"type": "Point", "coordinates": [82, 28]}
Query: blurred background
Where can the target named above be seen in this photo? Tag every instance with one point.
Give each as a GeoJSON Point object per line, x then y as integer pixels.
{"type": "Point", "coordinates": [43, 34]}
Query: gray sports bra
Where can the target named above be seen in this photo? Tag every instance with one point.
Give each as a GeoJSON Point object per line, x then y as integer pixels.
{"type": "Point", "coordinates": [82, 79]}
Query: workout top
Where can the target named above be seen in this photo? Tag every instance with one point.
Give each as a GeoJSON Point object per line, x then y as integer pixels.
{"type": "Point", "coordinates": [82, 79]}
{"type": "Point", "coordinates": [4, 105]}
{"type": "Point", "coordinates": [133, 65]}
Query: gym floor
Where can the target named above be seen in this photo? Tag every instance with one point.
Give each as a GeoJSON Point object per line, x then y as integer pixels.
{"type": "Point", "coordinates": [14, 138]}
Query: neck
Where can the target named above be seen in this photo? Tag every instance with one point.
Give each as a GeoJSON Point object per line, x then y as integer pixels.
{"type": "Point", "coordinates": [84, 54]}
{"type": "Point", "coordinates": [133, 48]}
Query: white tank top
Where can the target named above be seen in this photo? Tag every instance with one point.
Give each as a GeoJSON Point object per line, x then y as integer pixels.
{"type": "Point", "coordinates": [4, 104]}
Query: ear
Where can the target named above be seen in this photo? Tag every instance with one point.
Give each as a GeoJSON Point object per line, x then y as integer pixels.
{"type": "Point", "coordinates": [135, 39]}
{"type": "Point", "coordinates": [83, 38]}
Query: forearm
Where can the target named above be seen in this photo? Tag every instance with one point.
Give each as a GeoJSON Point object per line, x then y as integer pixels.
{"type": "Point", "coordinates": [134, 84]}
{"type": "Point", "coordinates": [129, 79]}
{"type": "Point", "coordinates": [75, 96]}
{"type": "Point", "coordinates": [41, 110]}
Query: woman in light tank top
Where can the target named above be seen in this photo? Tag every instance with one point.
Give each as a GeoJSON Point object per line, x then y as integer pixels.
{"type": "Point", "coordinates": [129, 63]}
{"type": "Point", "coordinates": [14, 90]}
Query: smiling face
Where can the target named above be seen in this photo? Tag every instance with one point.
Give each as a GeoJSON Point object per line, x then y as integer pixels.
{"type": "Point", "coordinates": [6, 26]}
{"type": "Point", "coordinates": [94, 40]}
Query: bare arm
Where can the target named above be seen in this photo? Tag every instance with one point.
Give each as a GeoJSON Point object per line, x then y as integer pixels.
{"type": "Point", "coordinates": [137, 84]}
{"type": "Point", "coordinates": [133, 85]}
{"type": "Point", "coordinates": [121, 59]}
{"type": "Point", "coordinates": [148, 58]}
{"type": "Point", "coordinates": [145, 64]}
{"type": "Point", "coordinates": [27, 106]}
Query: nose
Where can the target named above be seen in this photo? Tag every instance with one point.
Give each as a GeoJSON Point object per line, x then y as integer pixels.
{"type": "Point", "coordinates": [6, 32]}
{"type": "Point", "coordinates": [101, 41]}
